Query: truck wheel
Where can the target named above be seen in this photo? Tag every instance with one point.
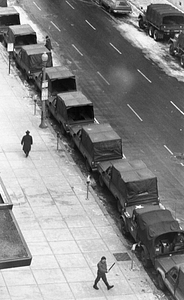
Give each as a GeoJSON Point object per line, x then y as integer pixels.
{"type": "Point", "coordinates": [101, 181]}
{"type": "Point", "coordinates": [155, 35]}
{"type": "Point", "coordinates": [182, 61]}
{"type": "Point", "coordinates": [119, 206]}
{"type": "Point", "coordinates": [141, 24]}
{"type": "Point", "coordinates": [123, 227]}
{"type": "Point", "coordinates": [145, 261]}
{"type": "Point", "coordinates": [171, 50]}
{"type": "Point", "coordinates": [88, 167]}
{"type": "Point", "coordinates": [160, 282]}
{"type": "Point", "coordinates": [150, 31]}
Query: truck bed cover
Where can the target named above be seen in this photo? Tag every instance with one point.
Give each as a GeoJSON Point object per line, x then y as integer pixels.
{"type": "Point", "coordinates": [4, 11]}
{"type": "Point", "coordinates": [72, 99]}
{"type": "Point", "coordinates": [58, 72]}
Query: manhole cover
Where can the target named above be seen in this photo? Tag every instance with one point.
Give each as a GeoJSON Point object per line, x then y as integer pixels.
{"type": "Point", "coordinates": [122, 256]}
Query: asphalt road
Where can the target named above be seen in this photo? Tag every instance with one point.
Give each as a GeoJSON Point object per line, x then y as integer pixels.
{"type": "Point", "coordinates": [142, 103]}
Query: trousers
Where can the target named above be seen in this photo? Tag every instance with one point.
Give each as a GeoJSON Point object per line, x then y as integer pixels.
{"type": "Point", "coordinates": [103, 277]}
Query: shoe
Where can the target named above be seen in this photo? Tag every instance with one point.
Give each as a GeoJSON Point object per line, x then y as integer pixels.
{"type": "Point", "coordinates": [110, 287]}
{"type": "Point", "coordinates": [95, 287]}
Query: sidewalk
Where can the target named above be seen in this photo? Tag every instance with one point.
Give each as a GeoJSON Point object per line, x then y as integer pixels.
{"type": "Point", "coordinates": [66, 234]}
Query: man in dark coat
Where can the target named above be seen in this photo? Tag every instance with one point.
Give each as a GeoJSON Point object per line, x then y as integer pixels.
{"type": "Point", "coordinates": [27, 141]}
{"type": "Point", "coordinates": [101, 273]}
{"type": "Point", "coordinates": [48, 43]}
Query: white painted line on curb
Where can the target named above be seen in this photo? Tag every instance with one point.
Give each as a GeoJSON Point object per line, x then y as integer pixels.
{"type": "Point", "coordinates": [168, 149]}
{"type": "Point", "coordinates": [90, 24]}
{"type": "Point", "coordinates": [177, 108]}
{"type": "Point", "coordinates": [36, 5]}
{"type": "Point", "coordinates": [55, 26]}
{"type": "Point", "coordinates": [115, 48]}
{"type": "Point", "coordinates": [77, 49]}
{"type": "Point", "coordinates": [134, 112]}
{"type": "Point", "coordinates": [103, 78]}
{"type": "Point", "coordinates": [144, 76]}
{"type": "Point", "coordinates": [70, 5]}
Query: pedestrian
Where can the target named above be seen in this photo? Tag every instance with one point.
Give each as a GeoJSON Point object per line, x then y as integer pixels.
{"type": "Point", "coordinates": [48, 43]}
{"type": "Point", "coordinates": [101, 274]}
{"type": "Point", "coordinates": [27, 141]}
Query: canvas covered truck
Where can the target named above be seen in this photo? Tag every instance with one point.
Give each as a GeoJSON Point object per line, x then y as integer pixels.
{"type": "Point", "coordinates": [130, 182]}
{"type": "Point", "coordinates": [29, 59]}
{"type": "Point", "coordinates": [60, 80]}
{"type": "Point", "coordinates": [156, 233]}
{"type": "Point", "coordinates": [97, 143]}
{"type": "Point", "coordinates": [3, 3]}
{"type": "Point", "coordinates": [161, 20]}
{"type": "Point", "coordinates": [20, 35]}
{"type": "Point", "coordinates": [71, 109]}
{"type": "Point", "coordinates": [8, 16]}
{"type": "Point", "coordinates": [176, 47]}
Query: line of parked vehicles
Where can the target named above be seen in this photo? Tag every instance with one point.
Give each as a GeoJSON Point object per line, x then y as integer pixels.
{"type": "Point", "coordinates": [157, 234]}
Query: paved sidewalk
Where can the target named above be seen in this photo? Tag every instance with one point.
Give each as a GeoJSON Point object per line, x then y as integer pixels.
{"type": "Point", "coordinates": [66, 234]}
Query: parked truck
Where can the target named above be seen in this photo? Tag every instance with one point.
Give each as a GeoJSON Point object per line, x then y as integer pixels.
{"type": "Point", "coordinates": [60, 80]}
{"type": "Point", "coordinates": [130, 182]}
{"type": "Point", "coordinates": [176, 47]}
{"type": "Point", "coordinates": [97, 143]}
{"type": "Point", "coordinates": [161, 20]}
{"type": "Point", "coordinates": [71, 109]}
{"type": "Point", "coordinates": [20, 35]}
{"type": "Point", "coordinates": [8, 16]}
{"type": "Point", "coordinates": [29, 59]}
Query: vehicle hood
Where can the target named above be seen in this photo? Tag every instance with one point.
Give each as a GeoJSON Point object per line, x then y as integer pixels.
{"type": "Point", "coordinates": [167, 262]}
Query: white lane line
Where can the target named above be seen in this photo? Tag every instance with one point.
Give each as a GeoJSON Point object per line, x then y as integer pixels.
{"type": "Point", "coordinates": [55, 26]}
{"type": "Point", "coordinates": [124, 157]}
{"type": "Point", "coordinates": [168, 149]}
{"type": "Point", "coordinates": [103, 78]}
{"type": "Point", "coordinates": [90, 24]}
{"type": "Point", "coordinates": [177, 108]}
{"type": "Point", "coordinates": [115, 48]}
{"type": "Point", "coordinates": [134, 112]}
{"type": "Point", "coordinates": [70, 5]}
{"type": "Point", "coordinates": [77, 49]}
{"type": "Point", "coordinates": [144, 76]}
{"type": "Point", "coordinates": [96, 121]}
{"type": "Point", "coordinates": [36, 5]}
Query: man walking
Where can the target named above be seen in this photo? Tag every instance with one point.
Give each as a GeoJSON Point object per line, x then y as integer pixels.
{"type": "Point", "coordinates": [48, 43]}
{"type": "Point", "coordinates": [101, 273]}
{"type": "Point", "coordinates": [27, 141]}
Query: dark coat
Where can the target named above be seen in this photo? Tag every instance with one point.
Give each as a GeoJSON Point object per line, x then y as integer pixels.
{"type": "Point", "coordinates": [48, 44]}
{"type": "Point", "coordinates": [27, 141]}
{"type": "Point", "coordinates": [102, 267]}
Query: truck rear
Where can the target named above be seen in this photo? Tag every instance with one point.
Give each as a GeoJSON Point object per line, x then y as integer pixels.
{"type": "Point", "coordinates": [162, 20]}
{"type": "Point", "coordinates": [8, 16]}
{"type": "Point", "coordinates": [97, 142]}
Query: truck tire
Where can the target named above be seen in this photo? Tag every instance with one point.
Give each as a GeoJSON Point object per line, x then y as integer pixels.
{"type": "Point", "coordinates": [119, 206]}
{"type": "Point", "coordinates": [101, 181]}
{"type": "Point", "coordinates": [171, 50]}
{"type": "Point", "coordinates": [123, 227]}
{"type": "Point", "coordinates": [182, 61]}
{"type": "Point", "coordinates": [141, 23]}
{"type": "Point", "coordinates": [155, 35]}
{"type": "Point", "coordinates": [144, 258]}
{"type": "Point", "coordinates": [150, 31]}
{"type": "Point", "coordinates": [88, 167]}
{"type": "Point", "coordinates": [160, 281]}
